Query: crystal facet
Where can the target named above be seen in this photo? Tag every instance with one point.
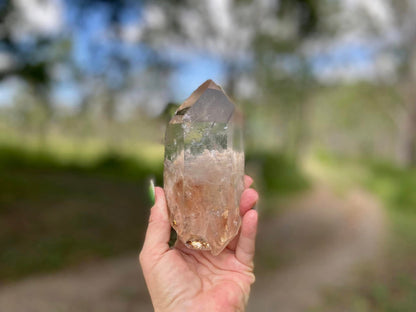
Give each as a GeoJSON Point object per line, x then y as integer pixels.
{"type": "Point", "coordinates": [204, 169]}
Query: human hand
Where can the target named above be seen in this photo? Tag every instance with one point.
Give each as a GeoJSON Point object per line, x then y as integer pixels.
{"type": "Point", "coordinates": [182, 279]}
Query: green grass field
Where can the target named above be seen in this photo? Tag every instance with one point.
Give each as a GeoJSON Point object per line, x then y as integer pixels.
{"type": "Point", "coordinates": [56, 211]}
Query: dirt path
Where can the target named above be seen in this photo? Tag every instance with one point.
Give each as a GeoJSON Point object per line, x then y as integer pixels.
{"type": "Point", "coordinates": [315, 244]}
{"type": "Point", "coordinates": [323, 238]}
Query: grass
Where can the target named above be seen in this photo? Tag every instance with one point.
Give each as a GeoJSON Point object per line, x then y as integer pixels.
{"type": "Point", "coordinates": [390, 285]}
{"type": "Point", "coordinates": [395, 186]}
{"type": "Point", "coordinates": [279, 176]}
{"type": "Point", "coordinates": [51, 220]}
{"type": "Point", "coordinates": [55, 213]}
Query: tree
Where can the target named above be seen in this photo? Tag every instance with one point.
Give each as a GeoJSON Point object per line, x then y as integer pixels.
{"type": "Point", "coordinates": [391, 27]}
{"type": "Point", "coordinates": [40, 51]}
{"type": "Point", "coordinates": [250, 39]}
{"type": "Point", "coordinates": [404, 12]}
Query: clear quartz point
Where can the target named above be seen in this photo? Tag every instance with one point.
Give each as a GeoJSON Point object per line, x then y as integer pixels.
{"type": "Point", "coordinates": [204, 169]}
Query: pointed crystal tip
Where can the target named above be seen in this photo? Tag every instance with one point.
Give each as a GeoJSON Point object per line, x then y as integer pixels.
{"type": "Point", "coordinates": [208, 103]}
{"type": "Point", "coordinates": [209, 84]}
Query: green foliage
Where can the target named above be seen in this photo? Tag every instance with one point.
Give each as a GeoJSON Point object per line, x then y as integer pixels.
{"type": "Point", "coordinates": [17, 157]}
{"type": "Point", "coordinates": [356, 120]}
{"type": "Point", "coordinates": [396, 186]}
{"type": "Point", "coordinates": [52, 219]}
{"type": "Point", "coordinates": [55, 213]}
{"type": "Point", "coordinates": [110, 163]}
{"type": "Point", "coordinates": [307, 12]}
{"type": "Point", "coordinates": [125, 166]}
{"type": "Point", "coordinates": [278, 174]}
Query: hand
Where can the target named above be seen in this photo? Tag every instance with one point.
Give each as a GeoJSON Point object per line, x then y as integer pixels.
{"type": "Point", "coordinates": [182, 279]}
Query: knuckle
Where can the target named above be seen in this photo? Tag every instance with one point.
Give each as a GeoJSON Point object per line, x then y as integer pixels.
{"type": "Point", "coordinates": [252, 278]}
{"type": "Point", "coordinates": [142, 257]}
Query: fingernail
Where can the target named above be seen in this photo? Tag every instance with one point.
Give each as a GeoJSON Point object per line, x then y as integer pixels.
{"type": "Point", "coordinates": [152, 191]}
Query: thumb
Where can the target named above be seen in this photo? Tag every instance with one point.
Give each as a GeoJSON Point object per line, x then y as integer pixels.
{"type": "Point", "coordinates": [158, 230]}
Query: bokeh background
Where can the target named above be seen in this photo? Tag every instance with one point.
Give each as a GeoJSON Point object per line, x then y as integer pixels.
{"type": "Point", "coordinates": [328, 90]}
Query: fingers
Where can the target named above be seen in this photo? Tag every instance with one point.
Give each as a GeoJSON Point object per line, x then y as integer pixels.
{"type": "Point", "coordinates": [248, 200]}
{"type": "Point", "coordinates": [158, 230]}
{"type": "Point", "coordinates": [244, 251]}
{"type": "Point", "coordinates": [247, 181]}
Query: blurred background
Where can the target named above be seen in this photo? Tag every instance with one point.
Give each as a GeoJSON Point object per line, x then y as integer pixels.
{"type": "Point", "coordinates": [328, 90]}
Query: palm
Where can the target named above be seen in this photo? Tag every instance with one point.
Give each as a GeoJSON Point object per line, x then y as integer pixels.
{"type": "Point", "coordinates": [182, 279]}
{"type": "Point", "coordinates": [201, 277]}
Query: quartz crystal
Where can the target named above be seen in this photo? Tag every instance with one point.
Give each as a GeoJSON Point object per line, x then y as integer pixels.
{"type": "Point", "coordinates": [204, 169]}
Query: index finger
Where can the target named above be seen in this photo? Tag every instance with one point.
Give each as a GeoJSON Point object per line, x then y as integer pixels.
{"type": "Point", "coordinates": [247, 181]}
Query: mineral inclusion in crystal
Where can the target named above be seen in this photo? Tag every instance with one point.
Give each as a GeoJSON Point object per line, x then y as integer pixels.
{"type": "Point", "coordinates": [204, 169]}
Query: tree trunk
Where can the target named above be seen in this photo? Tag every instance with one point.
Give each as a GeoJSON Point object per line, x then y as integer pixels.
{"type": "Point", "coordinates": [231, 80]}
{"type": "Point", "coordinates": [407, 137]}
